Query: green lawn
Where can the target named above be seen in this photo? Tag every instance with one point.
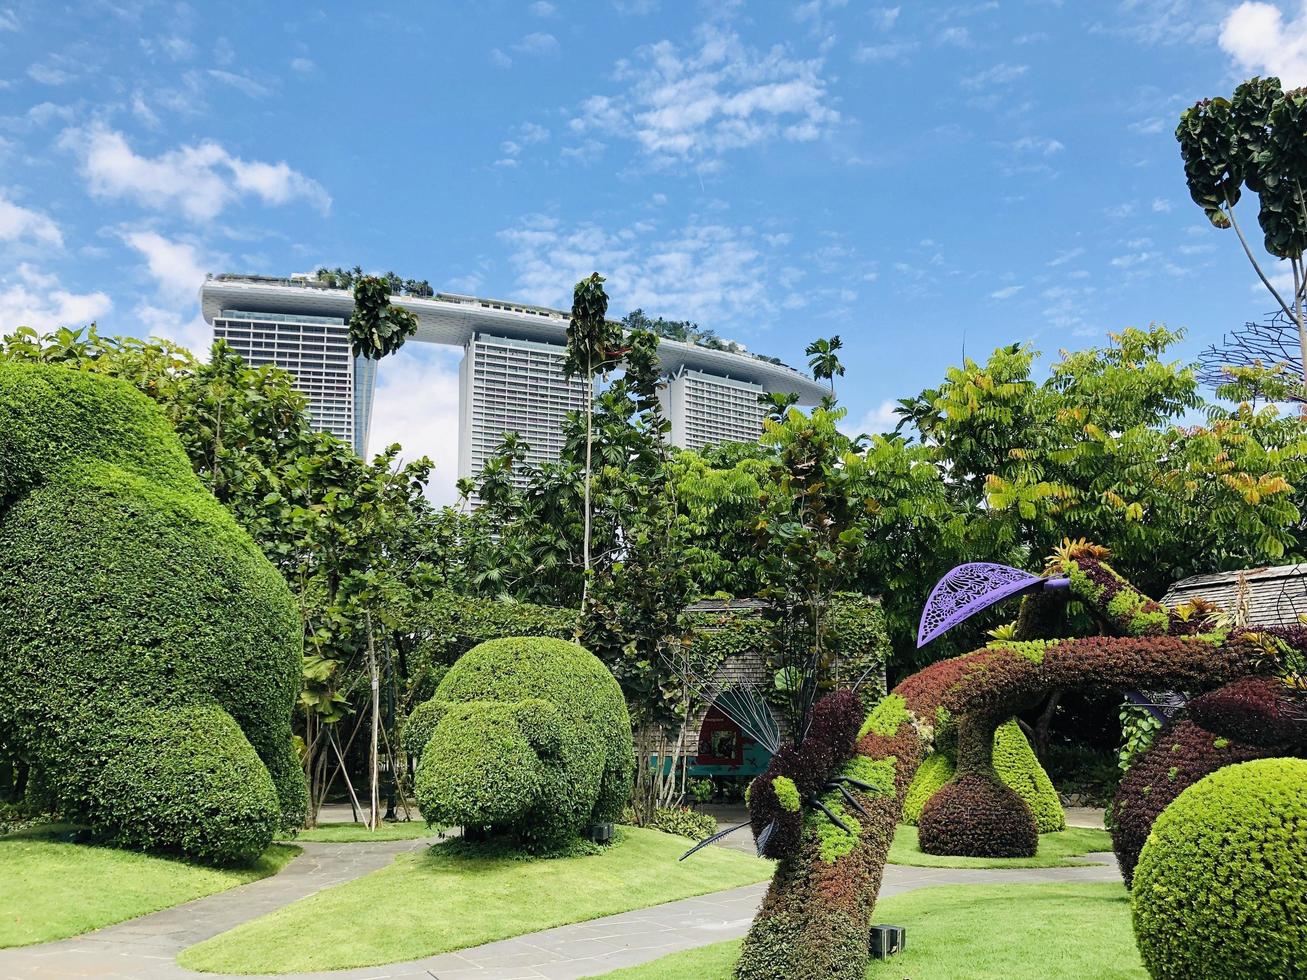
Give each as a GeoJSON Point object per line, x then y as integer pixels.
{"type": "Point", "coordinates": [50, 889]}
{"type": "Point", "coordinates": [974, 932]}
{"type": "Point", "coordinates": [1055, 851]}
{"type": "Point", "coordinates": [441, 900]}
{"type": "Point", "coordinates": [352, 833]}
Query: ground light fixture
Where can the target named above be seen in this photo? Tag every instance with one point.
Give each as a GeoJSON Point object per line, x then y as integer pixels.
{"type": "Point", "coordinates": [888, 940]}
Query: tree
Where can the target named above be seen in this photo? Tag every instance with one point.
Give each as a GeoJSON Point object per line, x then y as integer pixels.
{"type": "Point", "coordinates": [592, 343]}
{"type": "Point", "coordinates": [1256, 140]}
{"type": "Point", "coordinates": [1264, 356]}
{"type": "Point", "coordinates": [824, 361]}
{"type": "Point", "coordinates": [376, 328]}
{"type": "Point", "coordinates": [355, 538]}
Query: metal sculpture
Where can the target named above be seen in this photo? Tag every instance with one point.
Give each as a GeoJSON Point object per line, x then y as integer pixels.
{"type": "Point", "coordinates": [971, 588]}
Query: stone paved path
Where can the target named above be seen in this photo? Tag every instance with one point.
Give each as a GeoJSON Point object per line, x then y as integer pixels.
{"type": "Point", "coordinates": [144, 948]}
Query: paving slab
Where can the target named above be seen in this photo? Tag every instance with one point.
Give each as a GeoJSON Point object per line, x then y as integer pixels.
{"type": "Point", "coordinates": [145, 948]}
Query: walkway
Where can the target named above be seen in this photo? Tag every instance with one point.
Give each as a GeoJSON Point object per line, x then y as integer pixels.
{"type": "Point", "coordinates": [144, 948]}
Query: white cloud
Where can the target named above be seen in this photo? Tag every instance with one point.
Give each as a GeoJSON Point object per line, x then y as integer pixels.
{"type": "Point", "coordinates": [542, 8]}
{"type": "Point", "coordinates": [537, 43]}
{"type": "Point", "coordinates": [958, 37]}
{"type": "Point", "coordinates": [885, 17]}
{"type": "Point", "coordinates": [417, 406]}
{"type": "Point", "coordinates": [175, 266]}
{"type": "Point", "coordinates": [1007, 292]}
{"type": "Point", "coordinates": [697, 105]}
{"type": "Point", "coordinates": [49, 74]}
{"type": "Point", "coordinates": [1038, 144]}
{"type": "Point", "coordinates": [1000, 74]}
{"type": "Point", "coordinates": [241, 83]}
{"type": "Point", "coordinates": [302, 65]}
{"type": "Point", "coordinates": [8, 20]}
{"type": "Point", "coordinates": [874, 421]}
{"type": "Point", "coordinates": [1161, 205]}
{"type": "Point", "coordinates": [200, 180]}
{"type": "Point", "coordinates": [23, 223]}
{"type": "Point", "coordinates": [34, 299]}
{"type": "Point", "coordinates": [889, 51]}
{"type": "Point", "coordinates": [1259, 39]}
{"type": "Point", "coordinates": [1063, 257]}
{"type": "Point", "coordinates": [712, 273]}
{"type": "Point", "coordinates": [499, 59]}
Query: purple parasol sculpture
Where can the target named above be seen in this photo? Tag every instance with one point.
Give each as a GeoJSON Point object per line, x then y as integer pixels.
{"type": "Point", "coordinates": [973, 587]}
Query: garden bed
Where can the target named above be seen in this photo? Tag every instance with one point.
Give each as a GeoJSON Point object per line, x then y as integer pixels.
{"type": "Point", "coordinates": [977, 932]}
{"type": "Point", "coordinates": [51, 888]}
{"type": "Point", "coordinates": [444, 899]}
{"type": "Point", "coordinates": [1057, 850]}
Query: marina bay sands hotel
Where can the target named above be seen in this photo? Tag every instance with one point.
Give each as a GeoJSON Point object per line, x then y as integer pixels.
{"type": "Point", "coordinates": [511, 377]}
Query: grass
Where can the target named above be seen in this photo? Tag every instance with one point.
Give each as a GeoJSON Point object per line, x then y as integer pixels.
{"type": "Point", "coordinates": [1055, 851]}
{"type": "Point", "coordinates": [353, 833]}
{"type": "Point", "coordinates": [973, 932]}
{"type": "Point", "coordinates": [51, 888]}
{"type": "Point", "coordinates": [440, 900]}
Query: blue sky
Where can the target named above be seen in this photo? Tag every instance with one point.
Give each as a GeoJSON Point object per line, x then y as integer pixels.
{"type": "Point", "coordinates": [913, 177]}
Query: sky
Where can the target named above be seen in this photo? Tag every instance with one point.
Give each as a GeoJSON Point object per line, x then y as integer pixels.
{"type": "Point", "coordinates": [921, 179]}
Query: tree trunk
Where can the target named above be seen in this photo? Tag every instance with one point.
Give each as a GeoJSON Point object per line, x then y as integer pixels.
{"type": "Point", "coordinates": [589, 449]}
{"type": "Point", "coordinates": [374, 799]}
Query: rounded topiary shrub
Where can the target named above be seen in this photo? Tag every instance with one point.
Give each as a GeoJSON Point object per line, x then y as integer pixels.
{"type": "Point", "coordinates": [1180, 755]}
{"type": "Point", "coordinates": [977, 816]}
{"type": "Point", "coordinates": [1016, 765]}
{"type": "Point", "coordinates": [525, 736]}
{"type": "Point", "coordinates": [1220, 890]}
{"type": "Point", "coordinates": [1254, 710]}
{"type": "Point", "coordinates": [151, 655]}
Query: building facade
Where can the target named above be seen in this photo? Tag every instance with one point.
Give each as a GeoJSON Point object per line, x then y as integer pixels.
{"type": "Point", "coordinates": [511, 378]}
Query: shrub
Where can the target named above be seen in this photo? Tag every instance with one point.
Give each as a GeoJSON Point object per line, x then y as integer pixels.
{"type": "Point", "coordinates": [1017, 767]}
{"type": "Point", "coordinates": [152, 655]}
{"type": "Point", "coordinates": [684, 821]}
{"type": "Point", "coordinates": [976, 816]}
{"type": "Point", "coordinates": [1254, 710]}
{"type": "Point", "coordinates": [1221, 887]}
{"type": "Point", "coordinates": [1182, 754]}
{"type": "Point", "coordinates": [528, 737]}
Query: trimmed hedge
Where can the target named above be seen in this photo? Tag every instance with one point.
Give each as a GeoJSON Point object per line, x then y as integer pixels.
{"type": "Point", "coordinates": [152, 655]}
{"type": "Point", "coordinates": [1017, 767]}
{"type": "Point", "coordinates": [527, 737]}
{"type": "Point", "coordinates": [1221, 886]}
{"type": "Point", "coordinates": [1181, 755]}
{"type": "Point", "coordinates": [683, 821]}
{"type": "Point", "coordinates": [977, 816]}
{"type": "Point", "coordinates": [1253, 710]}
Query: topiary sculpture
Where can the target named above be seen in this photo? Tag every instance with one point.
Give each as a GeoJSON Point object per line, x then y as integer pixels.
{"type": "Point", "coordinates": [1221, 887]}
{"type": "Point", "coordinates": [150, 655]}
{"type": "Point", "coordinates": [816, 917]}
{"type": "Point", "coordinates": [527, 737]}
{"type": "Point", "coordinates": [1017, 768]}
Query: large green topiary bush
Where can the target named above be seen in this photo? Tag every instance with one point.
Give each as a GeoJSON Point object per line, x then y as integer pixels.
{"type": "Point", "coordinates": [150, 655]}
{"type": "Point", "coordinates": [1220, 891]}
{"type": "Point", "coordinates": [1016, 765]}
{"type": "Point", "coordinates": [525, 736]}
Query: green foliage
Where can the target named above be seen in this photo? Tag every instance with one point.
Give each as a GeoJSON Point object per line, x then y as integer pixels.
{"type": "Point", "coordinates": [533, 741]}
{"type": "Point", "coordinates": [931, 776]}
{"type": "Point", "coordinates": [1221, 886]}
{"type": "Point", "coordinates": [1016, 766]}
{"type": "Point", "coordinates": [1139, 728]}
{"type": "Point", "coordinates": [787, 794]}
{"type": "Point", "coordinates": [151, 654]}
{"type": "Point", "coordinates": [684, 821]}
{"type": "Point", "coordinates": [376, 328]}
{"type": "Point", "coordinates": [884, 719]}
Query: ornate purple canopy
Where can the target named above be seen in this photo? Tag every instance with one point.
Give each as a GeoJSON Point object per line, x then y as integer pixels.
{"type": "Point", "coordinates": [968, 589]}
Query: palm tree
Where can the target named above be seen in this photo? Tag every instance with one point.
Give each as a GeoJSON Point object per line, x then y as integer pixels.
{"type": "Point", "coordinates": [823, 360]}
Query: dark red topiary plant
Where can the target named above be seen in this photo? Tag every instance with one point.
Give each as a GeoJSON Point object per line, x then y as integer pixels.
{"type": "Point", "coordinates": [815, 920]}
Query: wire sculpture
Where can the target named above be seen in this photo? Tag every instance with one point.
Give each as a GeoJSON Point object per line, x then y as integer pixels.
{"type": "Point", "coordinates": [1269, 344]}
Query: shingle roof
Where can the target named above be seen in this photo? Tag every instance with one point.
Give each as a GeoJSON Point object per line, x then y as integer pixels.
{"type": "Point", "coordinates": [1273, 596]}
